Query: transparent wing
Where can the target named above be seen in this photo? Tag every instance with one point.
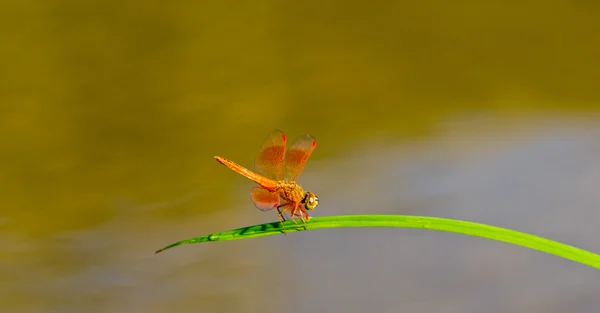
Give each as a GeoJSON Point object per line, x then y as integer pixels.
{"type": "Point", "coordinates": [269, 161]}
{"type": "Point", "coordinates": [297, 155]}
{"type": "Point", "coordinates": [263, 199]}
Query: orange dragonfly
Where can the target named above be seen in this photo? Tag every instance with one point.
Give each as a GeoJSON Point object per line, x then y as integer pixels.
{"type": "Point", "coordinates": [276, 171]}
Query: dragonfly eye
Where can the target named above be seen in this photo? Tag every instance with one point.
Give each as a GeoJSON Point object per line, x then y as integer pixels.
{"type": "Point", "coordinates": [311, 201]}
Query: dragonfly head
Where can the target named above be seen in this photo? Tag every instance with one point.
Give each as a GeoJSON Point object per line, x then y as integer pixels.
{"type": "Point", "coordinates": [310, 201]}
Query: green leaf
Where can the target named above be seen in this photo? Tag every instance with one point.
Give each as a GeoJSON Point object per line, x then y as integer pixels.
{"type": "Point", "coordinates": [405, 221]}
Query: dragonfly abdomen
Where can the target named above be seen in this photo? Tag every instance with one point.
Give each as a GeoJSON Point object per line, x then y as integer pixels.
{"type": "Point", "coordinates": [266, 183]}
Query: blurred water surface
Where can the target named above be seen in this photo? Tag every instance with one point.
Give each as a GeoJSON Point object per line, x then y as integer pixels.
{"type": "Point", "coordinates": [110, 113]}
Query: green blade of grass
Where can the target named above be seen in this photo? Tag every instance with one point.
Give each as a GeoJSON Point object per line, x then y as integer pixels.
{"type": "Point", "coordinates": [406, 221]}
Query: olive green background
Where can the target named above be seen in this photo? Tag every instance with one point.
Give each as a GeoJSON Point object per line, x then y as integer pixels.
{"type": "Point", "coordinates": [111, 112]}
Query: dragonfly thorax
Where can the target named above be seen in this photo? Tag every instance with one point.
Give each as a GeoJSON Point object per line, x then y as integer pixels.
{"type": "Point", "coordinates": [290, 191]}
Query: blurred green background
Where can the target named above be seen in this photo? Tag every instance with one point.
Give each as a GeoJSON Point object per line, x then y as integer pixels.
{"type": "Point", "coordinates": [111, 112]}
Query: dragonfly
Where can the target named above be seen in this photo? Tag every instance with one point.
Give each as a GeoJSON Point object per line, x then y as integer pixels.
{"type": "Point", "coordinates": [276, 171]}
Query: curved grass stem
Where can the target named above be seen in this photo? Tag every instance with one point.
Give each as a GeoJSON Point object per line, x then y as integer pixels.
{"type": "Point", "coordinates": [406, 221]}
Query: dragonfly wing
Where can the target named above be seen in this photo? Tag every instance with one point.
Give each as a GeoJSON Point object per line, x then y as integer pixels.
{"type": "Point", "coordinates": [297, 155]}
{"type": "Point", "coordinates": [263, 199]}
{"type": "Point", "coordinates": [269, 161]}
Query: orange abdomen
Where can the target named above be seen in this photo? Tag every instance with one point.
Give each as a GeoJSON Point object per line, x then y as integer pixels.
{"type": "Point", "coordinates": [259, 179]}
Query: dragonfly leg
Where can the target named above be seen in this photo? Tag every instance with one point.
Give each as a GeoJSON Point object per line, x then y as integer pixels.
{"type": "Point", "coordinates": [304, 217]}
{"type": "Point", "coordinates": [294, 213]}
{"type": "Point", "coordinates": [280, 212]}
{"type": "Point", "coordinates": [281, 217]}
{"type": "Point", "coordinates": [281, 220]}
